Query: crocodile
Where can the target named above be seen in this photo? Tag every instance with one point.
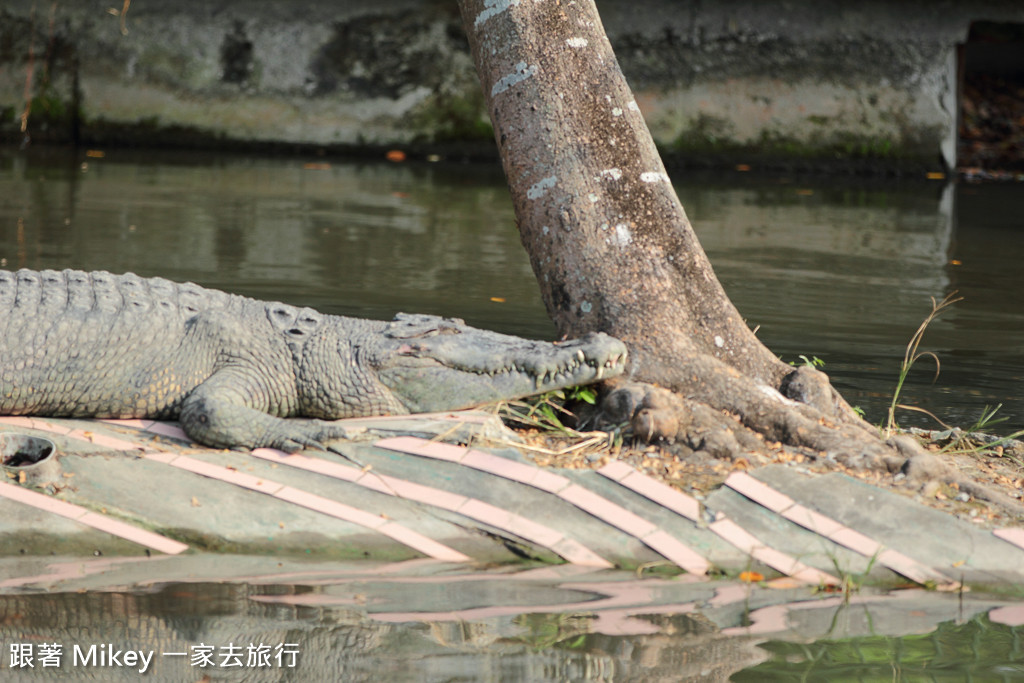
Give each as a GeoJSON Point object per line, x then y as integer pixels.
{"type": "Point", "coordinates": [241, 373]}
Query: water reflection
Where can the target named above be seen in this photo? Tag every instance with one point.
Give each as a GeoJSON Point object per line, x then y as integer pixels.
{"type": "Point", "coordinates": [836, 268]}
{"type": "Point", "coordinates": [426, 621]}
{"type": "Point", "coordinates": [829, 268]}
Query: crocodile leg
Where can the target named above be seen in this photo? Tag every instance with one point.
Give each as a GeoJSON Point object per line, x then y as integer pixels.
{"type": "Point", "coordinates": [219, 413]}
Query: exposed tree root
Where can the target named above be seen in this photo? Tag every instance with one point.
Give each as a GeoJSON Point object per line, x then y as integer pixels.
{"type": "Point", "coordinates": [729, 416]}
{"type": "Point", "coordinates": [613, 251]}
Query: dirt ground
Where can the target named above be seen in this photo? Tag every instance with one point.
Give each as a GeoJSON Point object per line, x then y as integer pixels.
{"type": "Point", "coordinates": [999, 467]}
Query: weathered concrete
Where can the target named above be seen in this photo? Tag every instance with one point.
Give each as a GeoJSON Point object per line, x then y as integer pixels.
{"type": "Point", "coordinates": [410, 497]}
{"type": "Point", "coordinates": [736, 80]}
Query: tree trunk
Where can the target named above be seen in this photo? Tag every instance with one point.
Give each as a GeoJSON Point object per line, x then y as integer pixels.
{"type": "Point", "coordinates": [613, 251]}
{"type": "Point", "coordinates": [610, 243]}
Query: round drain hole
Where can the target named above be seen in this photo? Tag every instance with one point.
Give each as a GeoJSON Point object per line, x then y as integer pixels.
{"type": "Point", "coordinates": [22, 450]}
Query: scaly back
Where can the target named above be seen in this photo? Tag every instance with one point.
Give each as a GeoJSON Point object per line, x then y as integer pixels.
{"type": "Point", "coordinates": [48, 295]}
{"type": "Point", "coordinates": [75, 343]}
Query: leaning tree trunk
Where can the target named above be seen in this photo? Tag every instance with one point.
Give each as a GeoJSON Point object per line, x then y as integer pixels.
{"type": "Point", "coordinates": [613, 250]}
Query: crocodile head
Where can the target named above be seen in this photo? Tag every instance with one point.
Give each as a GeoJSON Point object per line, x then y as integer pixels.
{"type": "Point", "coordinates": [434, 364]}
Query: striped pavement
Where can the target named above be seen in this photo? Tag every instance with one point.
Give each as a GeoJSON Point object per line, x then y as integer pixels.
{"type": "Point", "coordinates": [669, 523]}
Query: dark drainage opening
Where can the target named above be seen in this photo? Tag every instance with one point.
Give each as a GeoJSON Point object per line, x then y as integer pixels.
{"type": "Point", "coordinates": [992, 98]}
{"type": "Point", "coordinates": [21, 450]}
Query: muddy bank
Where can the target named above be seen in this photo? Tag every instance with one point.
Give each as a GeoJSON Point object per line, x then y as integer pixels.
{"type": "Point", "coordinates": [874, 84]}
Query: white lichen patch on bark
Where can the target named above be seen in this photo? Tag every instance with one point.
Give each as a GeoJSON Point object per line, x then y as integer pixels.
{"type": "Point", "coordinates": [521, 73]}
{"type": "Point", "coordinates": [611, 173]}
{"type": "Point", "coordinates": [623, 235]}
{"type": "Point", "coordinates": [654, 177]}
{"type": "Point", "coordinates": [492, 8]}
{"type": "Point", "coordinates": [577, 42]}
{"type": "Point", "coordinates": [538, 189]}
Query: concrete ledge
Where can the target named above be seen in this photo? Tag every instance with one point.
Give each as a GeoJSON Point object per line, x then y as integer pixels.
{"type": "Point", "coordinates": [814, 82]}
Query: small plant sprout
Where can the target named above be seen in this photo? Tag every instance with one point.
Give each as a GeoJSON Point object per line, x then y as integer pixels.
{"type": "Point", "coordinates": [812, 362]}
{"type": "Point", "coordinates": [912, 355]}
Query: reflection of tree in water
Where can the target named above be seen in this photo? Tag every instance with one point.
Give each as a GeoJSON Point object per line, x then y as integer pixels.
{"type": "Point", "coordinates": [977, 650]}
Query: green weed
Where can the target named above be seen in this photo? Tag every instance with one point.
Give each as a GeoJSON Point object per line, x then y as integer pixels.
{"type": "Point", "coordinates": [812, 362]}
{"type": "Point", "coordinates": [977, 439]}
{"type": "Point", "coordinates": [911, 356]}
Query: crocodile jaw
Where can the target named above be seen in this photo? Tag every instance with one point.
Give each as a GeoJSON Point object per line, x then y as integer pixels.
{"type": "Point", "coordinates": [440, 364]}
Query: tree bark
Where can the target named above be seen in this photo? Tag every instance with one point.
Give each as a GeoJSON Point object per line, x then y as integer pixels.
{"type": "Point", "coordinates": [613, 250]}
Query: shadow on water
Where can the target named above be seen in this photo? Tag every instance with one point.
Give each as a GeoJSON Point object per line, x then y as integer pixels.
{"type": "Point", "coordinates": [838, 269]}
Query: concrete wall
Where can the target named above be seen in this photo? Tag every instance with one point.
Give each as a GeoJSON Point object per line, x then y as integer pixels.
{"type": "Point", "coordinates": [812, 80]}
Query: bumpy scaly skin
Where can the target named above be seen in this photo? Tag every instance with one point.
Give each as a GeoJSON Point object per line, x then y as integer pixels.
{"type": "Point", "coordinates": [79, 344]}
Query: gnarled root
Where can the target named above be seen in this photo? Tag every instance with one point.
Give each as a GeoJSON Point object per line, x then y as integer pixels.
{"type": "Point", "coordinates": [725, 415]}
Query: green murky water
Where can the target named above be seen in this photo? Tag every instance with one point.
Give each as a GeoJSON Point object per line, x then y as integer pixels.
{"type": "Point", "coordinates": [834, 268]}
{"type": "Point", "coordinates": [425, 622]}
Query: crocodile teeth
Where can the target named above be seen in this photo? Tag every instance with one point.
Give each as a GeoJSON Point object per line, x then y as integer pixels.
{"type": "Point", "coordinates": [580, 355]}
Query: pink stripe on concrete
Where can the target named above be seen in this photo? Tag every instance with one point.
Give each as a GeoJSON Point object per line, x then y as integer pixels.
{"type": "Point", "coordinates": [130, 423]}
{"type": "Point", "coordinates": [856, 541]}
{"type": "Point", "coordinates": [834, 531]}
{"type": "Point", "coordinates": [678, 553]}
{"type": "Point", "coordinates": [569, 550]}
{"type": "Point", "coordinates": [163, 457]}
{"type": "Point", "coordinates": [549, 481]}
{"type": "Point", "coordinates": [506, 468]}
{"type": "Point", "coordinates": [92, 519]}
{"type": "Point", "coordinates": [333, 508]}
{"type": "Point", "coordinates": [322, 505]}
{"type": "Point", "coordinates": [912, 569]}
{"type": "Point", "coordinates": [653, 537]}
{"type": "Point", "coordinates": [586, 500]}
{"type": "Point", "coordinates": [104, 440]}
{"type": "Point", "coordinates": [41, 501]}
{"type": "Point", "coordinates": [303, 462]}
{"type": "Point", "coordinates": [813, 521]}
{"type": "Point", "coordinates": [503, 519]}
{"type": "Point", "coordinates": [417, 446]}
{"type": "Point", "coordinates": [609, 512]}
{"type": "Point", "coordinates": [502, 467]}
{"type": "Point", "coordinates": [776, 559]}
{"type": "Point", "coordinates": [421, 493]}
{"type": "Point", "coordinates": [226, 474]}
{"type": "Point", "coordinates": [1014, 536]}
{"type": "Point", "coordinates": [35, 423]}
{"type": "Point", "coordinates": [759, 492]}
{"type": "Point", "coordinates": [1011, 615]}
{"type": "Point", "coordinates": [616, 470]}
{"type": "Point", "coordinates": [132, 533]}
{"type": "Point", "coordinates": [575, 552]}
{"type": "Point", "coordinates": [393, 530]}
{"type": "Point", "coordinates": [468, 416]}
{"type": "Point", "coordinates": [652, 489]}
{"type": "Point", "coordinates": [427, 546]}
